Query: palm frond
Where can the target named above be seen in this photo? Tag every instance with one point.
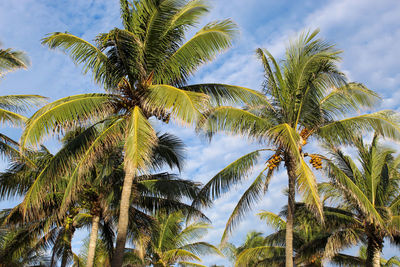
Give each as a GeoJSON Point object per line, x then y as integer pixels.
{"type": "Point", "coordinates": [64, 113]}
{"type": "Point", "coordinates": [11, 60]}
{"type": "Point", "coordinates": [184, 106]}
{"type": "Point", "coordinates": [272, 219]}
{"type": "Point", "coordinates": [384, 122]}
{"type": "Point", "coordinates": [140, 140]}
{"type": "Point", "coordinates": [227, 177]}
{"type": "Point", "coordinates": [212, 39]}
{"type": "Point", "coordinates": [225, 94]}
{"type": "Point", "coordinates": [249, 197]}
{"type": "Point", "coordinates": [80, 51]}
{"type": "Point", "coordinates": [234, 121]}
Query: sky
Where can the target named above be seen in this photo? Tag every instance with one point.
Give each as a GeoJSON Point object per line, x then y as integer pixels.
{"type": "Point", "coordinates": [367, 31]}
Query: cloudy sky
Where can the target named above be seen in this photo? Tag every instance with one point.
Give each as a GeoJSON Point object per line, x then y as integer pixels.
{"type": "Point", "coordinates": [368, 32]}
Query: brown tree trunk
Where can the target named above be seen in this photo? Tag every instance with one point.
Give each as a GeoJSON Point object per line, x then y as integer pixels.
{"type": "Point", "coordinates": [123, 220]}
{"type": "Point", "coordinates": [93, 240]}
{"type": "Point", "coordinates": [374, 249]}
{"type": "Point", "coordinates": [291, 171]}
{"type": "Point", "coordinates": [64, 260]}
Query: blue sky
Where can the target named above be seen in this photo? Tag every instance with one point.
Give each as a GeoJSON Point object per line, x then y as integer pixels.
{"type": "Point", "coordinates": [367, 31]}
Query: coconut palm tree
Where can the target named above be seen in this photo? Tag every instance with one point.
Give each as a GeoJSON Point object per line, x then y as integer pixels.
{"type": "Point", "coordinates": [96, 203]}
{"type": "Point", "coordinates": [19, 247]}
{"type": "Point", "coordinates": [253, 239]}
{"type": "Point", "coordinates": [172, 241]}
{"type": "Point", "coordinates": [368, 193]}
{"type": "Point", "coordinates": [308, 99]}
{"type": "Point", "coordinates": [312, 242]}
{"type": "Point", "coordinates": [144, 68]}
{"type": "Point", "coordinates": [102, 254]}
{"type": "Point", "coordinates": [12, 105]}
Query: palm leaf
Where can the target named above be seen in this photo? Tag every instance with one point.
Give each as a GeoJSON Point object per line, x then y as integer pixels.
{"type": "Point", "coordinates": [140, 140]}
{"type": "Point", "coordinates": [201, 48]}
{"type": "Point", "coordinates": [183, 105]}
{"type": "Point", "coordinates": [289, 139]}
{"type": "Point", "coordinates": [258, 254]}
{"type": "Point", "coordinates": [20, 102]}
{"type": "Point", "coordinates": [273, 220]}
{"type": "Point", "coordinates": [384, 122]}
{"type": "Point", "coordinates": [64, 113]}
{"type": "Point", "coordinates": [80, 51]}
{"type": "Point", "coordinates": [227, 177]}
{"type": "Point", "coordinates": [11, 60]}
{"type": "Point", "coordinates": [235, 121]}
{"type": "Point", "coordinates": [249, 197]}
{"type": "Point", "coordinates": [225, 94]}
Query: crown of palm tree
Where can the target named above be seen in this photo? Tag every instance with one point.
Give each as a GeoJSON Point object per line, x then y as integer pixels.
{"type": "Point", "coordinates": [308, 97]}
{"type": "Point", "coordinates": [368, 193]}
{"type": "Point", "coordinates": [172, 241]}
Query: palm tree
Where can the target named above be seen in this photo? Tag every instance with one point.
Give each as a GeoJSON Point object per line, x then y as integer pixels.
{"type": "Point", "coordinates": [172, 241]}
{"type": "Point", "coordinates": [253, 239]}
{"type": "Point", "coordinates": [361, 260]}
{"type": "Point", "coordinates": [19, 247]}
{"type": "Point", "coordinates": [312, 241]}
{"type": "Point", "coordinates": [96, 203]}
{"type": "Point", "coordinates": [308, 98]}
{"type": "Point", "coordinates": [10, 105]}
{"type": "Point", "coordinates": [144, 69]}
{"type": "Point", "coordinates": [367, 193]}
{"type": "Point", "coordinates": [102, 254]}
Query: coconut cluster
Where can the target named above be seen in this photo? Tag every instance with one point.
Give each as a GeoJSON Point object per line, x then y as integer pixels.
{"type": "Point", "coordinates": [316, 161]}
{"type": "Point", "coordinates": [274, 161]}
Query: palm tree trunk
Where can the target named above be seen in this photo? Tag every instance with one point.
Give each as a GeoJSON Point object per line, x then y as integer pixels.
{"type": "Point", "coordinates": [93, 240]}
{"type": "Point", "coordinates": [123, 220]}
{"type": "Point", "coordinates": [291, 171]}
{"type": "Point", "coordinates": [374, 252]}
{"type": "Point", "coordinates": [64, 260]}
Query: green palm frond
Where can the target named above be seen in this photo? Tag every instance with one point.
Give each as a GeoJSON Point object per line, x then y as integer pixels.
{"type": "Point", "coordinates": [109, 136]}
{"type": "Point", "coordinates": [212, 39]}
{"type": "Point", "coordinates": [349, 98]}
{"type": "Point", "coordinates": [20, 103]}
{"type": "Point", "coordinates": [202, 249]}
{"type": "Point", "coordinates": [179, 255]}
{"type": "Point", "coordinates": [190, 264]}
{"type": "Point", "coordinates": [12, 118]}
{"type": "Point", "coordinates": [190, 14]}
{"type": "Point", "coordinates": [249, 197]}
{"type": "Point", "coordinates": [170, 150]}
{"type": "Point", "coordinates": [288, 138]}
{"type": "Point", "coordinates": [11, 60]}
{"type": "Point", "coordinates": [64, 113]}
{"type": "Point", "coordinates": [234, 121]}
{"type": "Point", "coordinates": [184, 106]}
{"type": "Point", "coordinates": [81, 52]}
{"type": "Point", "coordinates": [139, 142]}
{"type": "Point", "coordinates": [357, 194]}
{"type": "Point", "coordinates": [169, 186]}
{"type": "Point", "coordinates": [257, 254]}
{"type": "Point", "coordinates": [9, 148]}
{"type": "Point", "coordinates": [384, 122]}
{"type": "Point", "coordinates": [340, 240]}
{"type": "Point", "coordinates": [225, 94]}
{"type": "Point", "coordinates": [227, 177]}
{"type": "Point", "coordinates": [272, 219]}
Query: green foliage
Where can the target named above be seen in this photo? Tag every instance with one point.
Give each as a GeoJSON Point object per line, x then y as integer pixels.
{"type": "Point", "coordinates": [306, 96]}
{"type": "Point", "coordinates": [173, 241]}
